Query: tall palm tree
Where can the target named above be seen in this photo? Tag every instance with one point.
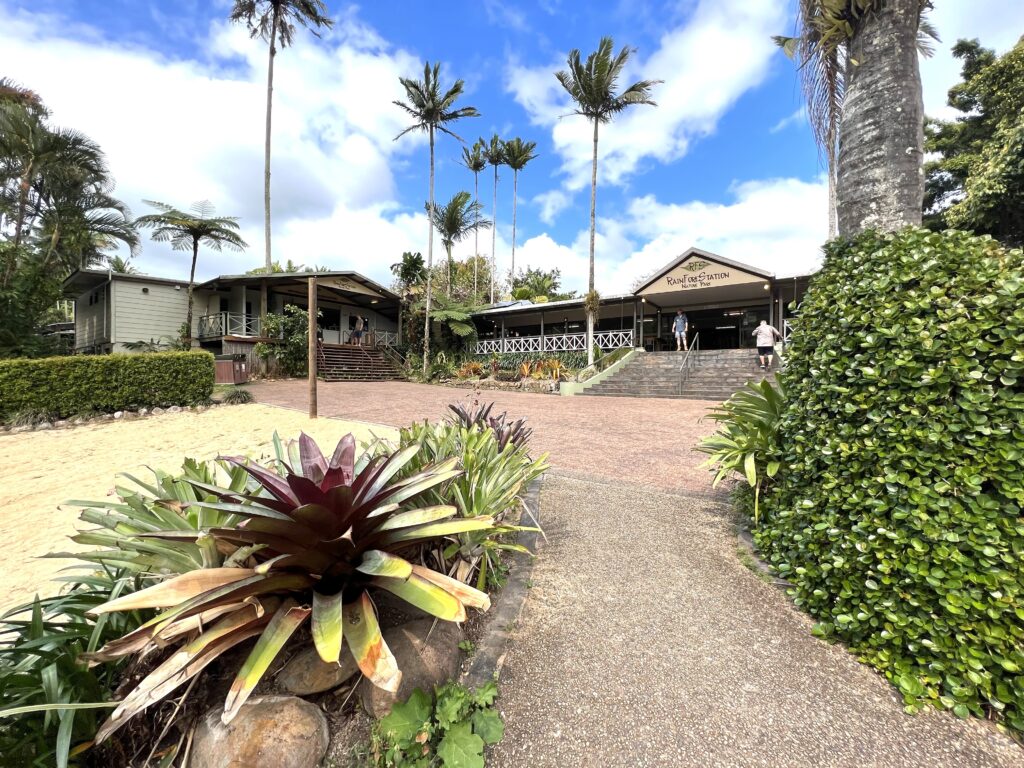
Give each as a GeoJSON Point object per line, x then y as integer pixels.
{"type": "Point", "coordinates": [475, 160]}
{"type": "Point", "coordinates": [494, 152]}
{"type": "Point", "coordinates": [273, 21]}
{"type": "Point", "coordinates": [409, 271]}
{"type": "Point", "coordinates": [186, 232]}
{"type": "Point", "coordinates": [858, 63]}
{"type": "Point", "coordinates": [454, 221]}
{"type": "Point", "coordinates": [517, 154]}
{"type": "Point", "coordinates": [592, 87]}
{"type": "Point", "coordinates": [432, 111]}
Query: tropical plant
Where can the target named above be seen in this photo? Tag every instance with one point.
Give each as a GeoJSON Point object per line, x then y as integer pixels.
{"type": "Point", "coordinates": [432, 111]}
{"type": "Point", "coordinates": [237, 396]}
{"type": "Point", "coordinates": [470, 414]}
{"type": "Point", "coordinates": [291, 353]}
{"type": "Point", "coordinates": [273, 21]}
{"type": "Point", "coordinates": [453, 222]}
{"type": "Point", "coordinates": [187, 231]}
{"type": "Point", "coordinates": [858, 63]}
{"type": "Point", "coordinates": [746, 440]}
{"type": "Point", "coordinates": [537, 284]}
{"type": "Point", "coordinates": [121, 265]}
{"type": "Point", "coordinates": [316, 538]}
{"type": "Point", "coordinates": [410, 273]}
{"type": "Point", "coordinates": [517, 154]}
{"type": "Point", "coordinates": [494, 153]}
{"type": "Point", "coordinates": [471, 369]}
{"type": "Point", "coordinates": [475, 160]}
{"type": "Point", "coordinates": [592, 87]}
{"type": "Point", "coordinates": [447, 730]}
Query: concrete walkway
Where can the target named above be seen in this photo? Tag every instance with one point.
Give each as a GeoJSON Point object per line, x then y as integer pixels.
{"type": "Point", "coordinates": [646, 642]}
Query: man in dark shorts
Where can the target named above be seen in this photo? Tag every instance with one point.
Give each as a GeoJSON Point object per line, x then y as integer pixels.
{"type": "Point", "coordinates": [765, 336]}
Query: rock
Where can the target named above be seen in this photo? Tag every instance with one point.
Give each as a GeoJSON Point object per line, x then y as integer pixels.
{"type": "Point", "coordinates": [143, 411]}
{"type": "Point", "coordinates": [25, 428]}
{"type": "Point", "coordinates": [268, 732]}
{"type": "Point", "coordinates": [61, 423]}
{"type": "Point", "coordinates": [424, 663]}
{"type": "Point", "coordinates": [118, 414]}
{"type": "Point", "coordinates": [174, 409]}
{"type": "Point", "coordinates": [43, 425]}
{"type": "Point", "coordinates": [79, 421]}
{"type": "Point", "coordinates": [157, 411]}
{"type": "Point", "coordinates": [107, 417]}
{"type": "Point", "coordinates": [307, 673]}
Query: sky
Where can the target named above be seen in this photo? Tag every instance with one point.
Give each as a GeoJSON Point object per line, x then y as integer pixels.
{"type": "Point", "coordinates": [175, 95]}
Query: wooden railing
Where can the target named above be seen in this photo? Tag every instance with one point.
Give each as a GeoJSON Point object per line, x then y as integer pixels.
{"type": "Point", "coordinates": [561, 342]}
{"type": "Point", "coordinates": [228, 324]}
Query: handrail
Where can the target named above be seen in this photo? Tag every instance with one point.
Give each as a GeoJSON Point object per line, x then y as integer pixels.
{"type": "Point", "coordinates": [684, 369]}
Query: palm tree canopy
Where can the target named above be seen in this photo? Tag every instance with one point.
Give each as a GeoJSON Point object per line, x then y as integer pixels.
{"type": "Point", "coordinates": [258, 16]}
{"type": "Point", "coordinates": [410, 270]}
{"type": "Point", "coordinates": [428, 107]}
{"type": "Point", "coordinates": [121, 265]}
{"type": "Point", "coordinates": [592, 85]}
{"type": "Point", "coordinates": [458, 218]}
{"type": "Point", "coordinates": [474, 158]}
{"type": "Point", "coordinates": [518, 153]}
{"type": "Point", "coordinates": [494, 151]}
{"type": "Point", "coordinates": [184, 230]}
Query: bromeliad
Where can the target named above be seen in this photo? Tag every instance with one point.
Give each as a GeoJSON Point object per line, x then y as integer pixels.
{"type": "Point", "coordinates": [321, 534]}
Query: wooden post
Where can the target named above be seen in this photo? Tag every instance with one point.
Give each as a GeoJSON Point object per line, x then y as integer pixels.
{"type": "Point", "coordinates": [312, 347]}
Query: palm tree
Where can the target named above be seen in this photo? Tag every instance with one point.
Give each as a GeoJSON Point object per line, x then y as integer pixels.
{"type": "Point", "coordinates": [121, 266]}
{"type": "Point", "coordinates": [454, 221]}
{"type": "Point", "coordinates": [409, 271]}
{"type": "Point", "coordinates": [475, 160]}
{"type": "Point", "coordinates": [858, 63]}
{"type": "Point", "coordinates": [431, 111]}
{"type": "Point", "coordinates": [273, 21]}
{"type": "Point", "coordinates": [495, 155]}
{"type": "Point", "coordinates": [517, 154]}
{"type": "Point", "coordinates": [592, 88]}
{"type": "Point", "coordinates": [186, 231]}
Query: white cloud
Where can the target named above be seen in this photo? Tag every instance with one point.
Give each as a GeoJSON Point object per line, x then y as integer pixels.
{"type": "Point", "coordinates": [551, 203]}
{"type": "Point", "coordinates": [707, 63]}
{"type": "Point", "coordinates": [501, 13]}
{"type": "Point", "coordinates": [800, 116]}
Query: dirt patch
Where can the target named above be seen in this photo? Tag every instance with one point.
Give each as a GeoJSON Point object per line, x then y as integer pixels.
{"type": "Point", "coordinates": [42, 470]}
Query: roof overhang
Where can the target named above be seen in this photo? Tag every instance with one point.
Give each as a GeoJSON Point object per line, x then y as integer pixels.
{"type": "Point", "coordinates": [701, 277]}
{"type": "Point", "coordinates": [348, 282]}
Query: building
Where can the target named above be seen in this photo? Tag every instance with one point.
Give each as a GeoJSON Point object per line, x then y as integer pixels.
{"type": "Point", "coordinates": [115, 310]}
{"type": "Point", "coordinates": [724, 301]}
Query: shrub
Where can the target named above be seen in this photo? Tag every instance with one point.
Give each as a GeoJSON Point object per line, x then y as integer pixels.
{"type": "Point", "coordinates": [237, 396]}
{"type": "Point", "coordinates": [292, 351]}
{"type": "Point", "coordinates": [68, 385]}
{"type": "Point", "coordinates": [471, 369]}
{"type": "Point", "coordinates": [512, 360]}
{"type": "Point", "coordinates": [897, 509]}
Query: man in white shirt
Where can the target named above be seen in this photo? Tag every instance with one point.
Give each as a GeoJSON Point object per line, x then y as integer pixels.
{"type": "Point", "coordinates": [765, 336]}
{"type": "Point", "coordinates": [679, 327]}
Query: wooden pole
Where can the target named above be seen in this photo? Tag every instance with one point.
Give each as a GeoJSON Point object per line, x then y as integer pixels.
{"type": "Point", "coordinates": [312, 347]}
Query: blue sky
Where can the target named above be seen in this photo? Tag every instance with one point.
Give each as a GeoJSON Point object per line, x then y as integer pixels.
{"type": "Point", "coordinates": [175, 95]}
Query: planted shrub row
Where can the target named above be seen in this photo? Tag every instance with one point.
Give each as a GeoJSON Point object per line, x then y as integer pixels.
{"type": "Point", "coordinates": [897, 509]}
{"type": "Point", "coordinates": [63, 386]}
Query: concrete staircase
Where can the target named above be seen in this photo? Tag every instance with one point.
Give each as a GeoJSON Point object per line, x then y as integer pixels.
{"type": "Point", "coordinates": [346, 362]}
{"type": "Point", "coordinates": [716, 376]}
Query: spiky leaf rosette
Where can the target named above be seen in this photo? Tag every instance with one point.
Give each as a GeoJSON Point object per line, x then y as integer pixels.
{"type": "Point", "coordinates": [322, 533]}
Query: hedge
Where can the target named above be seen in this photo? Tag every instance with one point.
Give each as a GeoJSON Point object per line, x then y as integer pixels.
{"type": "Point", "coordinates": [64, 386]}
{"type": "Point", "coordinates": [897, 511]}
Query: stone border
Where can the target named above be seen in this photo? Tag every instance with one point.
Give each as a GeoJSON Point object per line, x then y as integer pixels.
{"type": "Point", "coordinates": [7, 429]}
{"type": "Point", "coordinates": [489, 657]}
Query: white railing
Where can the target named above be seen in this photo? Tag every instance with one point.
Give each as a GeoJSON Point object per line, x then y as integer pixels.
{"type": "Point", "coordinates": [560, 342]}
{"type": "Point", "coordinates": [228, 324]}
{"type": "Point", "coordinates": [787, 331]}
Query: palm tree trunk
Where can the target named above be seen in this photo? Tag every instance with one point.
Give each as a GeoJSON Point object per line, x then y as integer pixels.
{"type": "Point", "coordinates": [476, 233]}
{"type": "Point", "coordinates": [266, 146]}
{"type": "Point", "coordinates": [448, 248]}
{"type": "Point", "coordinates": [590, 292]}
{"type": "Point", "coordinates": [191, 283]}
{"type": "Point", "coordinates": [515, 204]}
{"type": "Point", "coordinates": [494, 232]}
{"type": "Point", "coordinates": [430, 260]}
{"type": "Point", "coordinates": [880, 178]}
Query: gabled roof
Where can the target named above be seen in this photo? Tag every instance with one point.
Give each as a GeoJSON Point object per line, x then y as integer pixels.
{"type": "Point", "coordinates": [688, 253]}
{"type": "Point", "coordinates": [298, 277]}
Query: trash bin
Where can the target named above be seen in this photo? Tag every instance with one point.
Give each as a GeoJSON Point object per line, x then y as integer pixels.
{"type": "Point", "coordinates": [231, 369]}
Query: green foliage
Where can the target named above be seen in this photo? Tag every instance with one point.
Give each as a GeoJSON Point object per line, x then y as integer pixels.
{"type": "Point", "coordinates": [448, 730]}
{"type": "Point", "coordinates": [40, 646]}
{"type": "Point", "coordinates": [237, 396]}
{"type": "Point", "coordinates": [896, 512]}
{"type": "Point", "coordinates": [292, 351]}
{"type": "Point", "coordinates": [510, 361]}
{"type": "Point", "coordinates": [70, 385]}
{"type": "Point", "coordinates": [746, 440]}
{"type": "Point", "coordinates": [976, 180]}
{"type": "Point", "coordinates": [535, 282]}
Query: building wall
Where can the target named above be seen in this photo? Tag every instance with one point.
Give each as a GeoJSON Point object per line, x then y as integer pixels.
{"type": "Point", "coordinates": [144, 311]}
{"type": "Point", "coordinates": [91, 320]}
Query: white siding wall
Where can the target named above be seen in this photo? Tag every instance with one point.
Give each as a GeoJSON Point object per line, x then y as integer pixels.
{"type": "Point", "coordinates": [141, 316]}
{"type": "Point", "coordinates": [91, 318]}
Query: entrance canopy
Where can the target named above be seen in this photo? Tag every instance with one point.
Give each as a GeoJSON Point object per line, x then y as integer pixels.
{"type": "Point", "coordinates": [699, 278]}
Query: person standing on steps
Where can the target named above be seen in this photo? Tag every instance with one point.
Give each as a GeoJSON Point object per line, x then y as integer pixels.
{"type": "Point", "coordinates": [357, 334]}
{"type": "Point", "coordinates": [679, 327]}
{"type": "Point", "coordinates": [765, 336]}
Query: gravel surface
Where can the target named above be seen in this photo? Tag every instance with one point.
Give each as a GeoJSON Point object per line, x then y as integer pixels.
{"type": "Point", "coordinates": [644, 441]}
{"type": "Point", "coordinates": [646, 642]}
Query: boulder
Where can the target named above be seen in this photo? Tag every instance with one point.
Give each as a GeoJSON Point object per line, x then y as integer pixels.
{"type": "Point", "coordinates": [425, 662]}
{"type": "Point", "coordinates": [43, 425]}
{"type": "Point", "coordinates": [118, 414]}
{"type": "Point", "coordinates": [22, 428]}
{"type": "Point", "coordinates": [268, 732]}
{"type": "Point", "coordinates": [307, 673]}
{"type": "Point", "coordinates": [174, 409]}
{"type": "Point", "coordinates": [61, 423]}
{"type": "Point", "coordinates": [157, 411]}
{"type": "Point", "coordinates": [143, 411]}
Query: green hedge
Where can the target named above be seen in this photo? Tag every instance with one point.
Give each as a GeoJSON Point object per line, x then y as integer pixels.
{"type": "Point", "coordinates": [64, 386]}
{"type": "Point", "coordinates": [512, 360]}
{"type": "Point", "coordinates": [897, 512]}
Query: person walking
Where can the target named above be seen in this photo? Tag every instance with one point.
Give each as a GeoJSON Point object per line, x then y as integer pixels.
{"type": "Point", "coordinates": [357, 334]}
{"type": "Point", "coordinates": [765, 336]}
{"type": "Point", "coordinates": [679, 327]}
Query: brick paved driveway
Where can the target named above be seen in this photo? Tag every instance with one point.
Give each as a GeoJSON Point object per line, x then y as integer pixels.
{"type": "Point", "coordinates": [641, 441]}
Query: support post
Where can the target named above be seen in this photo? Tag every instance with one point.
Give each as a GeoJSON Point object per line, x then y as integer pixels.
{"type": "Point", "coordinates": [312, 347]}
{"type": "Point", "coordinates": [503, 334]}
{"type": "Point", "coordinates": [542, 330]}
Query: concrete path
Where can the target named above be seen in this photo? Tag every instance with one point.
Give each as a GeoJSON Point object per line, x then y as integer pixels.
{"type": "Point", "coordinates": [646, 642]}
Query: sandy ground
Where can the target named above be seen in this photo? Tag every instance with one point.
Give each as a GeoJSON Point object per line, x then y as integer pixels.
{"type": "Point", "coordinates": [44, 469]}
